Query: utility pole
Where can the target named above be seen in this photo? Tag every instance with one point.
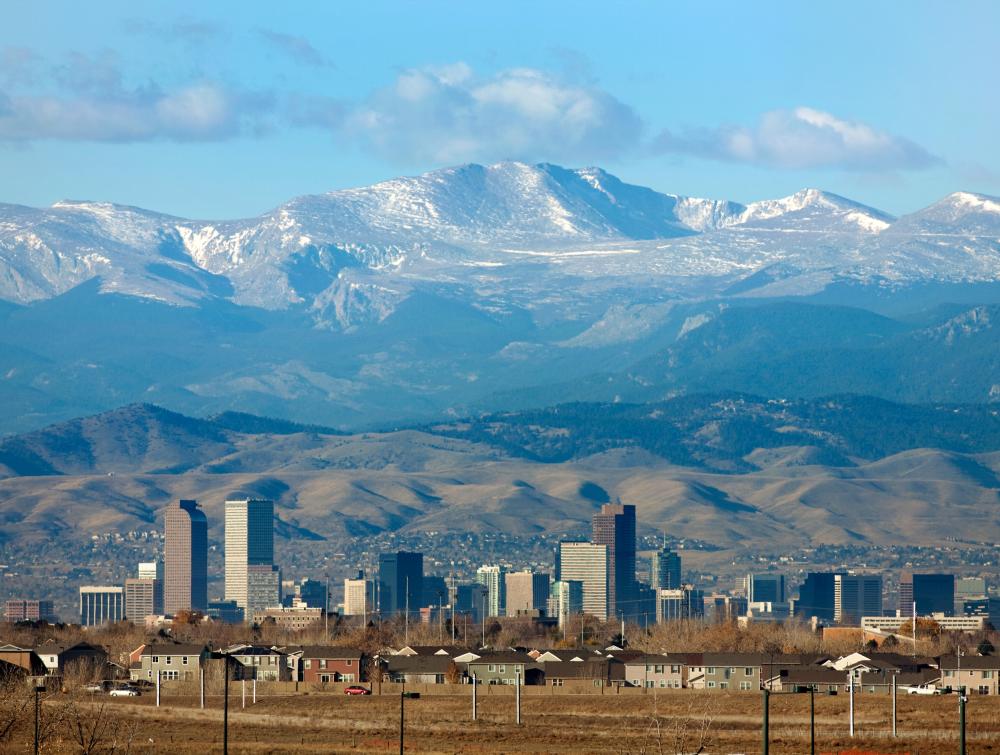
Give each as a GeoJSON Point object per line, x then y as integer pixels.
{"type": "Point", "coordinates": [157, 688]}
{"type": "Point", "coordinates": [894, 705]}
{"type": "Point", "coordinates": [201, 683]}
{"type": "Point", "coordinates": [39, 686]}
{"type": "Point", "coordinates": [406, 626]}
{"type": "Point", "coordinates": [850, 676]}
{"type": "Point", "coordinates": [961, 720]}
{"type": "Point", "coordinates": [402, 698]}
{"type": "Point", "coordinates": [812, 719]}
{"type": "Point", "coordinates": [243, 702]}
{"type": "Point", "coordinates": [225, 709]}
{"type": "Point", "coordinates": [475, 684]}
{"type": "Point", "coordinates": [766, 739]}
{"type": "Point", "coordinates": [483, 619]}
{"type": "Point", "coordinates": [517, 698]}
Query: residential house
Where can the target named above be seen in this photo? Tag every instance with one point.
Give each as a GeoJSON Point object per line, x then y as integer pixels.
{"type": "Point", "coordinates": [511, 667]}
{"type": "Point", "coordinates": [977, 673]}
{"type": "Point", "coordinates": [599, 672]}
{"type": "Point", "coordinates": [173, 661]}
{"type": "Point", "coordinates": [422, 669]}
{"type": "Point", "coordinates": [655, 671]}
{"type": "Point", "coordinates": [259, 662]}
{"type": "Point", "coordinates": [325, 663]}
{"type": "Point", "coordinates": [24, 658]}
{"type": "Point", "coordinates": [79, 658]}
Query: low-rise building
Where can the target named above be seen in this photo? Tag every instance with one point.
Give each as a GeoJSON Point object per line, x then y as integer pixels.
{"type": "Point", "coordinates": [504, 668]}
{"type": "Point", "coordinates": [175, 661]}
{"type": "Point", "coordinates": [422, 669]}
{"type": "Point", "coordinates": [655, 672]}
{"type": "Point", "coordinates": [29, 610]}
{"type": "Point", "coordinates": [977, 673]}
{"type": "Point", "coordinates": [588, 674]}
{"type": "Point", "coordinates": [294, 619]}
{"type": "Point", "coordinates": [325, 663]}
{"type": "Point", "coordinates": [259, 662]}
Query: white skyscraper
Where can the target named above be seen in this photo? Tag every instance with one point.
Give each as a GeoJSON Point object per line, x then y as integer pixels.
{"type": "Point", "coordinates": [151, 570]}
{"type": "Point", "coordinates": [492, 578]}
{"type": "Point", "coordinates": [249, 542]}
{"type": "Point", "coordinates": [359, 596]}
{"type": "Point", "coordinates": [587, 563]}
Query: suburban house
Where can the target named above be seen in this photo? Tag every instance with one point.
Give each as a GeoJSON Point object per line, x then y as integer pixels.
{"type": "Point", "coordinates": [597, 672]}
{"type": "Point", "coordinates": [452, 651]}
{"type": "Point", "coordinates": [566, 654]}
{"type": "Point", "coordinates": [422, 669]}
{"type": "Point", "coordinates": [978, 673]}
{"type": "Point", "coordinates": [504, 668]}
{"type": "Point", "coordinates": [259, 662]}
{"type": "Point", "coordinates": [174, 661]}
{"type": "Point", "coordinates": [82, 657]}
{"type": "Point", "coordinates": [24, 658]}
{"type": "Point", "coordinates": [655, 672]}
{"type": "Point", "coordinates": [325, 663]}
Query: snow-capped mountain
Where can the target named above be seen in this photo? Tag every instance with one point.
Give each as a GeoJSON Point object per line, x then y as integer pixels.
{"type": "Point", "coordinates": [351, 256]}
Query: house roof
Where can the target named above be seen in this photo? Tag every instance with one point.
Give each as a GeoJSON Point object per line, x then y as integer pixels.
{"type": "Point", "coordinates": [970, 662]}
{"type": "Point", "coordinates": [332, 652]}
{"type": "Point", "coordinates": [448, 650]}
{"type": "Point", "coordinates": [599, 669]}
{"type": "Point", "coordinates": [509, 657]}
{"type": "Point", "coordinates": [253, 650]}
{"type": "Point", "coordinates": [173, 648]}
{"type": "Point", "coordinates": [809, 675]}
{"type": "Point", "coordinates": [652, 659]}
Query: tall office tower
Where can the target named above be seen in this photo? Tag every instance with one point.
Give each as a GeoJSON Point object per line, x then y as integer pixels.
{"type": "Point", "coordinates": [185, 557]}
{"type": "Point", "coordinates": [526, 591]}
{"type": "Point", "coordinates": [263, 589]}
{"type": "Point", "coordinates": [101, 605]}
{"type": "Point", "coordinates": [933, 593]}
{"type": "Point", "coordinates": [143, 597]}
{"type": "Point", "coordinates": [614, 527]}
{"type": "Point", "coordinates": [567, 599]}
{"type": "Point", "coordinates": [765, 588]}
{"type": "Point", "coordinates": [18, 609]}
{"type": "Point", "coordinates": [587, 563]}
{"type": "Point", "coordinates": [400, 582]}
{"type": "Point", "coordinates": [492, 578]}
{"type": "Point", "coordinates": [249, 542]}
{"type": "Point", "coordinates": [359, 596]}
{"type": "Point", "coordinates": [665, 568]}
{"type": "Point", "coordinates": [312, 593]}
{"type": "Point", "coordinates": [151, 570]}
{"type": "Point", "coordinates": [856, 595]}
{"type": "Point", "coordinates": [816, 596]}
{"type": "Point", "coordinates": [969, 589]}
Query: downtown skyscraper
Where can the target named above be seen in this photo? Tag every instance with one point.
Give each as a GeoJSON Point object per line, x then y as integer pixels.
{"type": "Point", "coordinates": [185, 557]}
{"type": "Point", "coordinates": [614, 527]}
{"type": "Point", "coordinates": [250, 571]}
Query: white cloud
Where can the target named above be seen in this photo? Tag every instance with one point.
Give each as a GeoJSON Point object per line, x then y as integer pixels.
{"type": "Point", "coordinates": [802, 138]}
{"type": "Point", "coordinates": [448, 114]}
{"type": "Point", "coordinates": [296, 47]}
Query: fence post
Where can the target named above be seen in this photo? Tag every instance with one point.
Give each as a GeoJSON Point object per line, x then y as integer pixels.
{"type": "Point", "coordinates": [474, 685]}
{"type": "Point", "coordinates": [517, 696]}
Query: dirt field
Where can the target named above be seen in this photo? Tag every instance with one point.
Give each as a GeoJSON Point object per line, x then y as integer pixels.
{"type": "Point", "coordinates": [665, 722]}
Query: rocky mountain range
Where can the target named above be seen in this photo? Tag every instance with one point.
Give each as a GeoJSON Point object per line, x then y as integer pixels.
{"type": "Point", "coordinates": [487, 287]}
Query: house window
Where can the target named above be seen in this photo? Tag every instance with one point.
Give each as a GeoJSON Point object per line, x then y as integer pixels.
{"type": "Point", "coordinates": [149, 674]}
{"type": "Point", "coordinates": [156, 659]}
{"type": "Point", "coordinates": [675, 669]}
{"type": "Point", "coordinates": [711, 685]}
{"type": "Point", "coordinates": [659, 669]}
{"type": "Point", "coordinates": [171, 675]}
{"type": "Point", "coordinates": [557, 682]}
{"type": "Point", "coordinates": [503, 669]}
{"type": "Point", "coordinates": [662, 684]}
{"type": "Point", "coordinates": [307, 663]}
{"type": "Point", "coordinates": [184, 660]}
{"type": "Point", "coordinates": [748, 671]}
{"type": "Point", "coordinates": [723, 685]}
{"type": "Point", "coordinates": [322, 663]}
{"type": "Point", "coordinates": [492, 668]}
{"type": "Point", "coordinates": [348, 662]}
{"type": "Point", "coordinates": [711, 670]}
{"type": "Point", "coordinates": [597, 683]}
{"type": "Point", "coordinates": [948, 673]}
{"type": "Point", "coordinates": [649, 669]}
{"type": "Point", "coordinates": [987, 675]}
{"type": "Point", "coordinates": [984, 690]}
{"type": "Point", "coordinates": [167, 660]}
{"type": "Point", "coordinates": [744, 685]}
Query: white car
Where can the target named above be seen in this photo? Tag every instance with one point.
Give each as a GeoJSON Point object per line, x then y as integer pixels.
{"type": "Point", "coordinates": [125, 692]}
{"type": "Point", "coordinates": [922, 689]}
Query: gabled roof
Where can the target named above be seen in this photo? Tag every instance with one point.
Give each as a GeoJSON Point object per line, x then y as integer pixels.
{"type": "Point", "coordinates": [509, 657]}
{"type": "Point", "coordinates": [252, 650]}
{"type": "Point", "coordinates": [449, 650]}
{"type": "Point", "coordinates": [331, 652]}
{"type": "Point", "coordinates": [653, 659]}
{"type": "Point", "coordinates": [173, 648]}
{"type": "Point", "coordinates": [969, 662]}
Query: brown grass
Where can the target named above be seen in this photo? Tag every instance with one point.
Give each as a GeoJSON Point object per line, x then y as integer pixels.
{"type": "Point", "coordinates": [631, 722]}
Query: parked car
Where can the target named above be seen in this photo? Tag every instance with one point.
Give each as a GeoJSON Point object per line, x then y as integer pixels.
{"type": "Point", "coordinates": [922, 689]}
{"type": "Point", "coordinates": [96, 687]}
{"type": "Point", "coordinates": [125, 692]}
{"type": "Point", "coordinates": [355, 689]}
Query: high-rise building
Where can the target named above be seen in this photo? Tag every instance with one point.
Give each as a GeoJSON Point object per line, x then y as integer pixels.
{"type": "Point", "coordinates": [101, 605]}
{"type": "Point", "coordinates": [400, 582]}
{"type": "Point", "coordinates": [359, 596]}
{"type": "Point", "coordinates": [263, 588]}
{"type": "Point", "coordinates": [765, 588]}
{"type": "Point", "coordinates": [435, 592]}
{"type": "Point", "coordinates": [492, 578]}
{"type": "Point", "coordinates": [683, 603]}
{"type": "Point", "coordinates": [143, 597]}
{"type": "Point", "coordinates": [526, 591]}
{"type": "Point", "coordinates": [249, 542]}
{"type": "Point", "coordinates": [567, 599]}
{"type": "Point", "coordinates": [471, 600]}
{"type": "Point", "coordinates": [185, 557]}
{"type": "Point", "coordinates": [932, 593]}
{"type": "Point", "coordinates": [817, 596]}
{"type": "Point", "coordinates": [29, 610]}
{"type": "Point", "coordinates": [151, 570]}
{"type": "Point", "coordinates": [614, 527]}
{"type": "Point", "coordinates": [665, 568]}
{"type": "Point", "coordinates": [856, 595]}
{"type": "Point", "coordinates": [587, 563]}
{"type": "Point", "coordinates": [969, 589]}
{"type": "Point", "coordinates": [225, 611]}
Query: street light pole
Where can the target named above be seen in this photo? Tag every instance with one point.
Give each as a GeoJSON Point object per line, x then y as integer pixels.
{"type": "Point", "coordinates": [402, 698]}
{"type": "Point", "coordinates": [812, 719]}
{"type": "Point", "coordinates": [766, 738]}
{"type": "Point", "coordinates": [38, 688]}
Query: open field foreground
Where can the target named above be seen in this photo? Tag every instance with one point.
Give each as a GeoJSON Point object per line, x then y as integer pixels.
{"type": "Point", "coordinates": [665, 722]}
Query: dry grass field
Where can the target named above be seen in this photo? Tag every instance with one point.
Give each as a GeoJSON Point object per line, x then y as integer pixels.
{"type": "Point", "coordinates": [633, 722]}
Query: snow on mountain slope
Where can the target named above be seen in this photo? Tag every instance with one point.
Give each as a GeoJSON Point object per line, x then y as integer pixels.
{"type": "Point", "coordinates": [351, 256]}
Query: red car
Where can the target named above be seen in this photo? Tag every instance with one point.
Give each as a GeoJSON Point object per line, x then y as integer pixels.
{"type": "Point", "coordinates": [356, 690]}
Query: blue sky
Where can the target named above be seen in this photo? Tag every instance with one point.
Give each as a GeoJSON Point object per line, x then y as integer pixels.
{"type": "Point", "coordinates": [226, 109]}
